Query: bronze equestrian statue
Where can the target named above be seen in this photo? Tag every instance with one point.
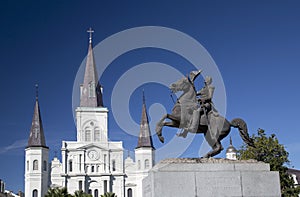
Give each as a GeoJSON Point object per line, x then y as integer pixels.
{"type": "Point", "coordinates": [198, 115]}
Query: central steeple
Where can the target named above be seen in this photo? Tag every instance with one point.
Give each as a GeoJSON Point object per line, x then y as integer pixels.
{"type": "Point", "coordinates": [91, 115]}
{"type": "Point", "coordinates": [91, 91]}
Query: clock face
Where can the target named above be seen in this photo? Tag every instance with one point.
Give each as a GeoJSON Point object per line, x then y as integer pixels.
{"type": "Point", "coordinates": [93, 155]}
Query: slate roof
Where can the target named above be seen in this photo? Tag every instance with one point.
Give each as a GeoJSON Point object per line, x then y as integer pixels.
{"type": "Point", "coordinates": [91, 98]}
{"type": "Point", "coordinates": [145, 139]}
{"type": "Point", "coordinates": [36, 137]}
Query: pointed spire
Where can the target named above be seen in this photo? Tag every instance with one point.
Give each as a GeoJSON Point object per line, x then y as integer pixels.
{"type": "Point", "coordinates": [36, 137]}
{"type": "Point", "coordinates": [145, 139]}
{"type": "Point", "coordinates": [91, 91]}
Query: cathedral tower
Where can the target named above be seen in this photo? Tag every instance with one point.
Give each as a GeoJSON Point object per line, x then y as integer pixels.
{"type": "Point", "coordinates": [36, 158]}
{"type": "Point", "coordinates": [145, 151]}
{"type": "Point", "coordinates": [92, 163]}
{"type": "Point", "coordinates": [91, 115]}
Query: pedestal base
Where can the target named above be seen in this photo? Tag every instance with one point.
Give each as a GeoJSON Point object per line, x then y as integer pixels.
{"type": "Point", "coordinates": [211, 178]}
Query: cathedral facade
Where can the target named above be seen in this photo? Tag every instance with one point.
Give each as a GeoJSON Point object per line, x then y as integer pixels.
{"type": "Point", "coordinates": [92, 163]}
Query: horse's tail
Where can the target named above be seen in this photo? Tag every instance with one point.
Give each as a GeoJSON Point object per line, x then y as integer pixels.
{"type": "Point", "coordinates": [242, 126]}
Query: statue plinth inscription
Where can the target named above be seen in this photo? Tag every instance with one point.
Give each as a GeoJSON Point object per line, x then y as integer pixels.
{"type": "Point", "coordinates": [211, 177]}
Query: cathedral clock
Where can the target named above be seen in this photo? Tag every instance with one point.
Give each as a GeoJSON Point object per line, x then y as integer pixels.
{"type": "Point", "coordinates": [93, 155]}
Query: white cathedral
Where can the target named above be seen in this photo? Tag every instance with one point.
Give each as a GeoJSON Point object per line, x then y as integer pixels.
{"type": "Point", "coordinates": [92, 163]}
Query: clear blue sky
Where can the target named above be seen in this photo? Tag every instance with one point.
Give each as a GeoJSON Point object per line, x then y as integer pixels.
{"type": "Point", "coordinates": [255, 44]}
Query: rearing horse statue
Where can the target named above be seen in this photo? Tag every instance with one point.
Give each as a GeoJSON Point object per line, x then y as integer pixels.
{"type": "Point", "coordinates": [216, 129]}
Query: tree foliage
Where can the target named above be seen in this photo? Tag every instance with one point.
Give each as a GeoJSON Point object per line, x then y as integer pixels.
{"type": "Point", "coordinates": [267, 149]}
{"type": "Point", "coordinates": [109, 194]}
{"type": "Point", "coordinates": [63, 192]}
{"type": "Point", "coordinates": [57, 192]}
{"type": "Point", "coordinates": [80, 193]}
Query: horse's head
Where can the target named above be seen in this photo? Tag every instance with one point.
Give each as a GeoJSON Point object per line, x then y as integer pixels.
{"type": "Point", "coordinates": [183, 84]}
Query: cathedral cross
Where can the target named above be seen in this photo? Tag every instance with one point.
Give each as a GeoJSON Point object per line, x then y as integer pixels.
{"type": "Point", "coordinates": [90, 31]}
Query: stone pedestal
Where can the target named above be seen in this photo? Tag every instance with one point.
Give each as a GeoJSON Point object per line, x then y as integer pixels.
{"type": "Point", "coordinates": [211, 178]}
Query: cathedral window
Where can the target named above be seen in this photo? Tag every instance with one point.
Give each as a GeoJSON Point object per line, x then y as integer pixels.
{"type": "Point", "coordinates": [97, 135]}
{"type": "Point", "coordinates": [70, 166]}
{"type": "Point", "coordinates": [86, 169]}
{"type": "Point", "coordinates": [35, 193]}
{"type": "Point", "coordinates": [139, 164]}
{"type": "Point", "coordinates": [104, 161]}
{"type": "Point", "coordinates": [96, 193]}
{"type": "Point", "coordinates": [104, 186]}
{"type": "Point", "coordinates": [27, 164]}
{"type": "Point", "coordinates": [80, 162]}
{"type": "Point", "coordinates": [129, 192]}
{"type": "Point", "coordinates": [146, 163]}
{"type": "Point", "coordinates": [93, 169]}
{"type": "Point", "coordinates": [35, 165]}
{"type": "Point", "coordinates": [92, 90]}
{"type": "Point", "coordinates": [45, 165]}
{"type": "Point", "coordinates": [87, 135]}
{"type": "Point", "coordinates": [113, 165]}
{"type": "Point", "coordinates": [80, 185]}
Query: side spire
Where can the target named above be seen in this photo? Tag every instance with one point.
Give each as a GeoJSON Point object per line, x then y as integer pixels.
{"type": "Point", "coordinates": [91, 90]}
{"type": "Point", "coordinates": [36, 137]}
{"type": "Point", "coordinates": [145, 139]}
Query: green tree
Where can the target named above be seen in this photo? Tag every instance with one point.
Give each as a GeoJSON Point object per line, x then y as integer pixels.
{"type": "Point", "coordinates": [267, 149]}
{"type": "Point", "coordinates": [81, 194]}
{"type": "Point", "coordinates": [109, 194]}
{"type": "Point", "coordinates": [58, 192]}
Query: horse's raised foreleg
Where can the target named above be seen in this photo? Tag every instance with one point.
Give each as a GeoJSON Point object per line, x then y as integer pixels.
{"type": "Point", "coordinates": [161, 124]}
{"type": "Point", "coordinates": [159, 127]}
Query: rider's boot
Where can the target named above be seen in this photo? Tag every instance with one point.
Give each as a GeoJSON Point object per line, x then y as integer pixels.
{"type": "Point", "coordinates": [195, 121]}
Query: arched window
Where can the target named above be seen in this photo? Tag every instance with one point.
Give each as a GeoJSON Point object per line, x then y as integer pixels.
{"type": "Point", "coordinates": [129, 192]}
{"type": "Point", "coordinates": [97, 135]}
{"type": "Point", "coordinates": [139, 164]}
{"type": "Point", "coordinates": [96, 193]}
{"type": "Point", "coordinates": [146, 163]}
{"type": "Point", "coordinates": [93, 169]}
{"type": "Point", "coordinates": [87, 135]}
{"type": "Point", "coordinates": [27, 164]}
{"type": "Point", "coordinates": [90, 191]}
{"type": "Point", "coordinates": [70, 166]}
{"type": "Point", "coordinates": [35, 193]}
{"type": "Point", "coordinates": [113, 165]}
{"type": "Point", "coordinates": [45, 165]}
{"type": "Point", "coordinates": [35, 165]}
